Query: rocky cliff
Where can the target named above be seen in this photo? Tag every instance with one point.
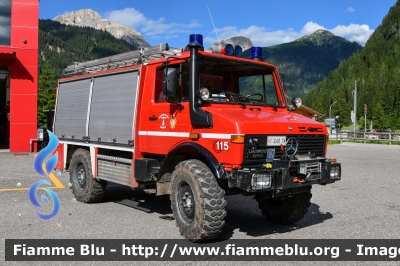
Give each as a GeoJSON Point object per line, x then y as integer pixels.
{"type": "Point", "coordinates": [90, 18]}
{"type": "Point", "coordinates": [243, 42]}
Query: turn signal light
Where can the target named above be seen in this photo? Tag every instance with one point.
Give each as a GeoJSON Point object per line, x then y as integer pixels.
{"type": "Point", "coordinates": [194, 136]}
{"type": "Point", "coordinates": [237, 139]}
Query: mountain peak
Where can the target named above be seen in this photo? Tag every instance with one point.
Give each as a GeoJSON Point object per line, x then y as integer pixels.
{"type": "Point", "coordinates": [90, 18]}
{"type": "Point", "coordinates": [321, 37]}
{"type": "Point", "coordinates": [322, 32]}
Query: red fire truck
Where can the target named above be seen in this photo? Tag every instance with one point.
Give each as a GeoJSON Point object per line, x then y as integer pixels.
{"type": "Point", "coordinates": [195, 125]}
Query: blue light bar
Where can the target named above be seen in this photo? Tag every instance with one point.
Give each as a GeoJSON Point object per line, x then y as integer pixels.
{"type": "Point", "coordinates": [197, 38]}
{"type": "Point", "coordinates": [256, 53]}
{"type": "Point", "coordinates": [238, 50]}
{"type": "Point", "coordinates": [229, 49]}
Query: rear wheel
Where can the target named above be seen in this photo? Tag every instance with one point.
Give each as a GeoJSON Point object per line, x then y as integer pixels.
{"type": "Point", "coordinates": [197, 201]}
{"type": "Point", "coordinates": [85, 187]}
{"type": "Point", "coordinates": [285, 210]}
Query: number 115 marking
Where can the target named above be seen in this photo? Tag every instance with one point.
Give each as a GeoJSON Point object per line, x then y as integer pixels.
{"type": "Point", "coordinates": [222, 145]}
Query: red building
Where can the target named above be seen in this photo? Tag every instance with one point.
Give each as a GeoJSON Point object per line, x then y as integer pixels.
{"type": "Point", "coordinates": [19, 34]}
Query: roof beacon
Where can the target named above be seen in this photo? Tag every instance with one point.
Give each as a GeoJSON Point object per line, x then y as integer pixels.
{"type": "Point", "coordinates": [230, 51]}
{"type": "Point", "coordinates": [197, 38]}
{"type": "Point", "coordinates": [238, 50]}
{"type": "Point", "coordinates": [256, 53]}
{"type": "Point", "coordinates": [227, 50]}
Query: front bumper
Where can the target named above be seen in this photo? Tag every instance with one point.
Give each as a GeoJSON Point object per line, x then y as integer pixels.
{"type": "Point", "coordinates": [286, 174]}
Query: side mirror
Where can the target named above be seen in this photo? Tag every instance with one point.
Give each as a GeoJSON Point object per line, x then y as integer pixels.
{"type": "Point", "coordinates": [170, 82]}
{"type": "Point", "coordinates": [297, 102]}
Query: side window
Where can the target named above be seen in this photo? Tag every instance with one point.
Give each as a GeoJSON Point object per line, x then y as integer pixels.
{"type": "Point", "coordinates": [5, 22]}
{"type": "Point", "coordinates": [158, 95]}
{"type": "Point", "coordinates": [182, 92]}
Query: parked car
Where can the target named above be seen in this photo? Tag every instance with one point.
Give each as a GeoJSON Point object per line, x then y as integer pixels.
{"type": "Point", "coordinates": [369, 134]}
{"type": "Point", "coordinates": [384, 134]}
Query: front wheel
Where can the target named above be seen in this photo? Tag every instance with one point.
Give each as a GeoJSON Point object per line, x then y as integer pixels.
{"type": "Point", "coordinates": [197, 201]}
{"type": "Point", "coordinates": [285, 210]}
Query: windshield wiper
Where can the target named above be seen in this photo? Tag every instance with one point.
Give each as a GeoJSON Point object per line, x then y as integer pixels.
{"type": "Point", "coordinates": [241, 104]}
{"type": "Point", "coordinates": [266, 104]}
{"type": "Point", "coordinates": [234, 98]}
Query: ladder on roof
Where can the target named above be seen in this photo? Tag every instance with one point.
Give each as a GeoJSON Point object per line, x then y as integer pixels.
{"type": "Point", "coordinates": [141, 56]}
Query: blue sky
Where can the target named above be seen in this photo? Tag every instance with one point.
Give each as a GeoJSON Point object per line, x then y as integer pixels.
{"type": "Point", "coordinates": [265, 22]}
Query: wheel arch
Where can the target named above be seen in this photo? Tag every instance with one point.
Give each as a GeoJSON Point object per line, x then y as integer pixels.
{"type": "Point", "coordinates": [190, 150]}
{"type": "Point", "coordinates": [71, 150]}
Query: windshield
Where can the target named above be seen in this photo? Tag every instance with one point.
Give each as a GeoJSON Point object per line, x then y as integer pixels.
{"type": "Point", "coordinates": [233, 81]}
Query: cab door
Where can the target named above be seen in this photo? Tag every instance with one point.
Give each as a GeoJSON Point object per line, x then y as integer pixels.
{"type": "Point", "coordinates": [168, 123]}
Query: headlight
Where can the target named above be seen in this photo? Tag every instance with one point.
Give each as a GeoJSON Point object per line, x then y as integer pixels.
{"type": "Point", "coordinates": [335, 172]}
{"type": "Point", "coordinates": [261, 181]}
{"type": "Point", "coordinates": [204, 94]}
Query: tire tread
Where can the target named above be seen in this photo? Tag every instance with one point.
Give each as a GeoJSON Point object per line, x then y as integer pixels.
{"type": "Point", "coordinates": [213, 204]}
{"type": "Point", "coordinates": [95, 188]}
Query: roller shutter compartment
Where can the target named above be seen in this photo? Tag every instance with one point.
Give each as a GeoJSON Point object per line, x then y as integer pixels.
{"type": "Point", "coordinates": [72, 108]}
{"type": "Point", "coordinates": [112, 108]}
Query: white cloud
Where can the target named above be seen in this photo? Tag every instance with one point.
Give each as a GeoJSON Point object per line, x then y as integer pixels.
{"type": "Point", "coordinates": [354, 32]}
{"type": "Point", "coordinates": [260, 36]}
{"type": "Point", "coordinates": [310, 27]}
{"type": "Point", "coordinates": [152, 28]}
{"type": "Point", "coordinates": [128, 17]}
{"type": "Point", "coordinates": [350, 9]}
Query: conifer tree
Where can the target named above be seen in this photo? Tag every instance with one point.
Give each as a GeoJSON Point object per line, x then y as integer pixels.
{"type": "Point", "coordinates": [46, 93]}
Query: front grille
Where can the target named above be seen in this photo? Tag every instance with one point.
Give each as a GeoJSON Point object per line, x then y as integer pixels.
{"type": "Point", "coordinates": [256, 153]}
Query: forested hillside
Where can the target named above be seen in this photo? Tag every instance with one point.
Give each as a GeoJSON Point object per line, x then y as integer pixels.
{"type": "Point", "coordinates": [61, 45]}
{"type": "Point", "coordinates": [376, 69]}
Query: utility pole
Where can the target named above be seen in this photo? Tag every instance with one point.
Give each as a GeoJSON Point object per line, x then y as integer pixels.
{"type": "Point", "coordinates": [365, 117]}
{"type": "Point", "coordinates": [355, 107]}
{"type": "Point", "coordinates": [330, 118]}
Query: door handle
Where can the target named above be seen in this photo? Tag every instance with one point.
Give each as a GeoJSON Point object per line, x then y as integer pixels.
{"type": "Point", "coordinates": [153, 118]}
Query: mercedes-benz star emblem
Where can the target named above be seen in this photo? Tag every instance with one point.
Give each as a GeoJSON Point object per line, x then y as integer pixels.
{"type": "Point", "coordinates": [291, 146]}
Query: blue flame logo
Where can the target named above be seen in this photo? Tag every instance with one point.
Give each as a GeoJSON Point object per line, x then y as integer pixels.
{"type": "Point", "coordinates": [42, 155]}
{"type": "Point", "coordinates": [44, 169]}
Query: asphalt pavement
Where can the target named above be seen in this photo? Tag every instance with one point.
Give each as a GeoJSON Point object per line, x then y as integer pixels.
{"type": "Point", "coordinates": [365, 204]}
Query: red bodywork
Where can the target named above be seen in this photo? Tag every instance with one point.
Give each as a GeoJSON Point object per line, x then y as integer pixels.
{"type": "Point", "coordinates": [161, 126]}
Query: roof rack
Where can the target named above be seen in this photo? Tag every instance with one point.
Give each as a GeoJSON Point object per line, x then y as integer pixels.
{"type": "Point", "coordinates": [141, 56]}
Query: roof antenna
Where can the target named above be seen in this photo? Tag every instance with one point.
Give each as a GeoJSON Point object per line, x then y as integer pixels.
{"type": "Point", "coordinates": [220, 46]}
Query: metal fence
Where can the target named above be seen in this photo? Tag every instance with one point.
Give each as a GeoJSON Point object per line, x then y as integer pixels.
{"type": "Point", "coordinates": [375, 137]}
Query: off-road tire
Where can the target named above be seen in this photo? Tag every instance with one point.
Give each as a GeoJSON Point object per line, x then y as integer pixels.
{"type": "Point", "coordinates": [285, 210]}
{"type": "Point", "coordinates": [85, 187]}
{"type": "Point", "coordinates": [197, 201]}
